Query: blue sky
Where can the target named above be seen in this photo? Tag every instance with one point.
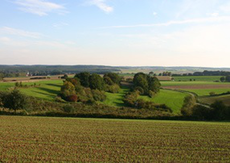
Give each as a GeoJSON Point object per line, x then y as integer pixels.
{"type": "Point", "coordinates": [115, 32]}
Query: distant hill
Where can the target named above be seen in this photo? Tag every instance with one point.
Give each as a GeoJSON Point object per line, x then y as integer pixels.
{"type": "Point", "coordinates": [61, 69]}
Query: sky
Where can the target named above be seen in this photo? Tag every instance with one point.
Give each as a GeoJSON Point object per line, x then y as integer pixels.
{"type": "Point", "coordinates": [115, 32]}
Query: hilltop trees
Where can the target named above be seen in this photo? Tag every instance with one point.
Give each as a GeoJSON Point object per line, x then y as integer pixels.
{"type": "Point", "coordinates": [146, 84]}
{"type": "Point", "coordinates": [96, 82]}
{"type": "Point", "coordinates": [84, 78]}
{"type": "Point", "coordinates": [84, 87]}
{"type": "Point", "coordinates": [112, 78]}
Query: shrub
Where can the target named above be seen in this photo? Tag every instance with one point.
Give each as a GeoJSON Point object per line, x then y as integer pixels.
{"type": "Point", "coordinates": [15, 100]}
{"type": "Point", "coordinates": [220, 111]}
{"type": "Point", "coordinates": [212, 93]}
{"type": "Point", "coordinates": [189, 103]}
{"type": "Point", "coordinates": [202, 112]}
{"type": "Point", "coordinates": [72, 98]}
{"type": "Point", "coordinates": [131, 98]}
{"type": "Point", "coordinates": [59, 99]}
{"type": "Point", "coordinates": [140, 90]}
{"type": "Point", "coordinates": [69, 108]}
{"type": "Point", "coordinates": [67, 89]}
{"type": "Point", "coordinates": [152, 94]}
{"type": "Point", "coordinates": [98, 95]}
{"type": "Point", "coordinates": [112, 88]}
{"type": "Point", "coordinates": [108, 80]}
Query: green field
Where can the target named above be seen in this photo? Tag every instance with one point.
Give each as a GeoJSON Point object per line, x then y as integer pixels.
{"type": "Point", "coordinates": [5, 86]}
{"type": "Point", "coordinates": [116, 99]}
{"type": "Point", "coordinates": [172, 99]}
{"type": "Point", "coordinates": [36, 139]}
{"type": "Point", "coordinates": [47, 90]}
{"type": "Point", "coordinates": [197, 78]}
{"type": "Point", "coordinates": [210, 100]}
{"type": "Point", "coordinates": [205, 92]}
{"type": "Point", "coordinates": [177, 83]}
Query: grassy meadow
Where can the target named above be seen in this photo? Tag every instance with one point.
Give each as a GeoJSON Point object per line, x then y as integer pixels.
{"type": "Point", "coordinates": [172, 99]}
{"type": "Point", "coordinates": [43, 139]}
{"type": "Point", "coordinates": [47, 90]}
{"type": "Point", "coordinates": [197, 78]}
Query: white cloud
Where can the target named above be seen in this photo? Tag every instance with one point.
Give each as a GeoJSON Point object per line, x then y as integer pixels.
{"type": "Point", "coordinates": [154, 14]}
{"type": "Point", "coordinates": [39, 7]}
{"type": "Point", "coordinates": [187, 21]}
{"type": "Point", "coordinates": [19, 32]}
{"type": "Point", "coordinates": [102, 5]}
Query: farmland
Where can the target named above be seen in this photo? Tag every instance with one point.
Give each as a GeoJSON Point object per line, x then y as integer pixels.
{"type": "Point", "coordinates": [35, 139]}
{"type": "Point", "coordinates": [200, 88]}
{"type": "Point", "coordinates": [172, 99]}
{"type": "Point", "coordinates": [48, 90]}
{"type": "Point", "coordinates": [210, 100]}
{"type": "Point", "coordinates": [197, 78]}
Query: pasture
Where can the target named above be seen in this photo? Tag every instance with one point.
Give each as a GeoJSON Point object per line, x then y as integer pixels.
{"type": "Point", "coordinates": [42, 139]}
{"type": "Point", "coordinates": [46, 90]}
{"type": "Point", "coordinates": [197, 78]}
{"type": "Point", "coordinates": [172, 99]}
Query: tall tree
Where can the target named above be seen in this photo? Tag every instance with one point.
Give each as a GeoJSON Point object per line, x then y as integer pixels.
{"type": "Point", "coordinates": [96, 82]}
{"type": "Point", "coordinates": [84, 78]}
{"type": "Point", "coordinates": [140, 80]}
{"type": "Point", "coordinates": [154, 84]}
{"type": "Point", "coordinates": [114, 77]}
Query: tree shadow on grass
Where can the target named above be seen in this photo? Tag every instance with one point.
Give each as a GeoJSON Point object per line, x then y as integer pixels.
{"type": "Point", "coordinates": [119, 104]}
{"type": "Point", "coordinates": [55, 85]}
{"type": "Point", "coordinates": [47, 92]}
{"type": "Point", "coordinates": [51, 91]}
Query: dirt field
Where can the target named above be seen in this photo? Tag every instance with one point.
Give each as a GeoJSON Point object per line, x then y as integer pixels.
{"type": "Point", "coordinates": [43, 139]}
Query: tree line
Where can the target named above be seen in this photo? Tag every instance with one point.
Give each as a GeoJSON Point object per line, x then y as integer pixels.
{"type": "Point", "coordinates": [205, 73]}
